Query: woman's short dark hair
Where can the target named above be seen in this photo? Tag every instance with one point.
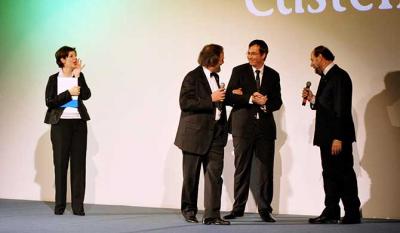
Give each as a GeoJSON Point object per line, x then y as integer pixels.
{"type": "Point", "coordinates": [210, 54]}
{"type": "Point", "coordinates": [263, 46]}
{"type": "Point", "coordinates": [63, 53]}
{"type": "Point", "coordinates": [325, 52]}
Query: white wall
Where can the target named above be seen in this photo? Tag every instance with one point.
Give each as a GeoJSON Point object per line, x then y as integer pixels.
{"type": "Point", "coordinates": [136, 55]}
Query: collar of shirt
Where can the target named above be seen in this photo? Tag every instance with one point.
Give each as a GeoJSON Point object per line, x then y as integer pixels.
{"type": "Point", "coordinates": [62, 75]}
{"type": "Point", "coordinates": [213, 85]}
{"type": "Point", "coordinates": [328, 67]}
{"type": "Point", "coordinates": [211, 80]}
{"type": "Point", "coordinates": [261, 72]}
{"type": "Point", "coordinates": [207, 72]}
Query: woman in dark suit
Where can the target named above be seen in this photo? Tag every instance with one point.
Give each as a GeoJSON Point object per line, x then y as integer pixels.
{"type": "Point", "coordinates": [67, 115]}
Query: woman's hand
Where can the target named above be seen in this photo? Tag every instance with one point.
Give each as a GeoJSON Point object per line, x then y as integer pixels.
{"type": "Point", "coordinates": [75, 91]}
{"type": "Point", "coordinates": [77, 71]}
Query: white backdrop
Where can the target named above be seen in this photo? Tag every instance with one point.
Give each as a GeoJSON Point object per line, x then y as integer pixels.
{"type": "Point", "coordinates": [136, 55]}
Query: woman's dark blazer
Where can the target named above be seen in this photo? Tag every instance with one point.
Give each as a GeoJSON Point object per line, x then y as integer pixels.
{"type": "Point", "coordinates": [54, 101]}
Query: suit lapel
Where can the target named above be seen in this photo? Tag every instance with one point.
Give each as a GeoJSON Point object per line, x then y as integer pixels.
{"type": "Point", "coordinates": [203, 80]}
{"type": "Point", "coordinates": [205, 84]}
{"type": "Point", "coordinates": [325, 78]}
{"type": "Point", "coordinates": [331, 71]}
{"type": "Point", "coordinates": [252, 79]}
{"type": "Point", "coordinates": [322, 83]}
{"type": "Point", "coordinates": [264, 79]}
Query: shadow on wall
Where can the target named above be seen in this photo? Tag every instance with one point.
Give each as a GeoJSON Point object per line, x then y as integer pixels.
{"type": "Point", "coordinates": [91, 170]}
{"type": "Point", "coordinates": [281, 192]}
{"type": "Point", "coordinates": [44, 167]}
{"type": "Point", "coordinates": [356, 154]}
{"type": "Point", "coordinates": [172, 178]}
{"type": "Point", "coordinates": [381, 157]}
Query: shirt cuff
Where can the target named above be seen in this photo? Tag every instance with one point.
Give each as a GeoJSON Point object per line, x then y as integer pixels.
{"type": "Point", "coordinates": [312, 101]}
{"type": "Point", "coordinates": [251, 100]}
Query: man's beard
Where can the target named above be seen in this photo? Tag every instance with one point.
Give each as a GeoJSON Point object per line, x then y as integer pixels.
{"type": "Point", "coordinates": [318, 71]}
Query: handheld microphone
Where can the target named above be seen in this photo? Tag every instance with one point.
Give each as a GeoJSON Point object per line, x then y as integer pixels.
{"type": "Point", "coordinates": [308, 85]}
{"type": "Point", "coordinates": [219, 105]}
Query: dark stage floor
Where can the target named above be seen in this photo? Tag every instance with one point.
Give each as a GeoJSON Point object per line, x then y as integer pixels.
{"type": "Point", "coordinates": [34, 216]}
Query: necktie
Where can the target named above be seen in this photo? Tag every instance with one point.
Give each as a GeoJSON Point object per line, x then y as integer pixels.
{"type": "Point", "coordinates": [322, 83]}
{"type": "Point", "coordinates": [216, 76]}
{"type": "Point", "coordinates": [323, 78]}
{"type": "Point", "coordinates": [258, 80]}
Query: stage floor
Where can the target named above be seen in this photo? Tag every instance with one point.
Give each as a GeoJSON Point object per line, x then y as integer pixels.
{"type": "Point", "coordinates": [21, 216]}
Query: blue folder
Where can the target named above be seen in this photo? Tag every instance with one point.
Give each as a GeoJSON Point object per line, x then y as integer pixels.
{"type": "Point", "coordinates": [71, 104]}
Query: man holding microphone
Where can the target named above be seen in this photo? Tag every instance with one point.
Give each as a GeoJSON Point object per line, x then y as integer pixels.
{"type": "Point", "coordinates": [202, 135]}
{"type": "Point", "coordinates": [334, 134]}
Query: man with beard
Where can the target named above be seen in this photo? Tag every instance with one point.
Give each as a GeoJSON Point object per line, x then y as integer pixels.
{"type": "Point", "coordinates": [334, 134]}
{"type": "Point", "coordinates": [202, 135]}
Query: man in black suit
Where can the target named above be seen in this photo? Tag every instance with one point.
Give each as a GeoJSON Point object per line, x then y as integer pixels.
{"type": "Point", "coordinates": [202, 135]}
{"type": "Point", "coordinates": [334, 134]}
{"type": "Point", "coordinates": [254, 92]}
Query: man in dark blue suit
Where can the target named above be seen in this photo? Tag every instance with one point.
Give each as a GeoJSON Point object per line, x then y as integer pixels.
{"type": "Point", "coordinates": [254, 92]}
{"type": "Point", "coordinates": [202, 135]}
{"type": "Point", "coordinates": [334, 134]}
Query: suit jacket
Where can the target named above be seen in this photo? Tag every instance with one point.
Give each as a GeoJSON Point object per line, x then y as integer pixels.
{"type": "Point", "coordinates": [242, 121]}
{"type": "Point", "coordinates": [54, 101]}
{"type": "Point", "coordinates": [333, 106]}
{"type": "Point", "coordinates": [197, 123]}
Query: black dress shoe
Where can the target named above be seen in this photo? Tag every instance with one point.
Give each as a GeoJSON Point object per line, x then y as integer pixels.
{"type": "Point", "coordinates": [191, 219]}
{"type": "Point", "coordinates": [350, 220]}
{"type": "Point", "coordinates": [59, 211]}
{"type": "Point", "coordinates": [267, 217]}
{"type": "Point", "coordinates": [79, 213]}
{"type": "Point", "coordinates": [215, 221]}
{"type": "Point", "coordinates": [233, 215]}
{"type": "Point", "coordinates": [323, 219]}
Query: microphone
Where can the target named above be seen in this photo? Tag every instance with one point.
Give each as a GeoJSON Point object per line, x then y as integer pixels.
{"type": "Point", "coordinates": [219, 104]}
{"type": "Point", "coordinates": [308, 85]}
